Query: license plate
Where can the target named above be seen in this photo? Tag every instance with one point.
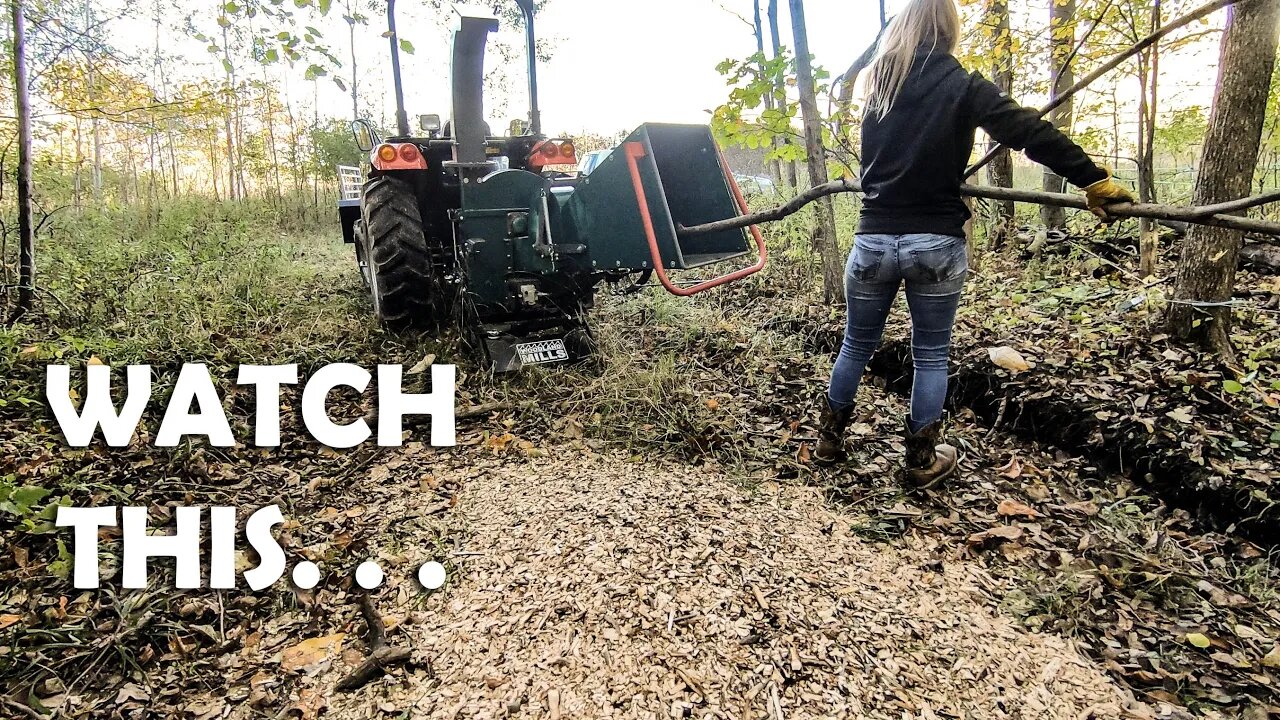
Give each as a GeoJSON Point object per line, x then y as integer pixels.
{"type": "Point", "coordinates": [541, 352]}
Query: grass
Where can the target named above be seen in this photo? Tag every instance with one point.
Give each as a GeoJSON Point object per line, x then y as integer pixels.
{"type": "Point", "coordinates": [728, 376]}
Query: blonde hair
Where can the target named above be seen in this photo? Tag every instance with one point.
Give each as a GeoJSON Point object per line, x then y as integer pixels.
{"type": "Point", "coordinates": [922, 22]}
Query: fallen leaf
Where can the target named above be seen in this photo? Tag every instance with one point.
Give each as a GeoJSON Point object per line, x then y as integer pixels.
{"type": "Point", "coordinates": [132, 692]}
{"type": "Point", "coordinates": [1009, 359]}
{"type": "Point", "coordinates": [423, 364]}
{"type": "Point", "coordinates": [1199, 640]}
{"type": "Point", "coordinates": [1182, 414]}
{"type": "Point", "coordinates": [310, 652]}
{"type": "Point", "coordinates": [93, 360]}
{"type": "Point", "coordinates": [1272, 659]}
{"type": "Point", "coordinates": [1013, 508]}
{"type": "Point", "coordinates": [1002, 532]}
{"type": "Point", "coordinates": [1228, 659]}
{"type": "Point", "coordinates": [1011, 469]}
{"type": "Point", "coordinates": [8, 619]}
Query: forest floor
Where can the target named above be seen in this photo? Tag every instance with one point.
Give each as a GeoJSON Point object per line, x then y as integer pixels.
{"type": "Point", "coordinates": [644, 535]}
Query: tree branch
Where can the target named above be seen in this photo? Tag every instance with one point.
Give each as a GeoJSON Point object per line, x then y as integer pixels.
{"type": "Point", "coordinates": [1196, 215]}
{"type": "Point", "coordinates": [1113, 63]}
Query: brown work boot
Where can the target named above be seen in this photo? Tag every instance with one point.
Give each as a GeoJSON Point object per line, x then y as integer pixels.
{"type": "Point", "coordinates": [831, 433]}
{"type": "Point", "coordinates": [928, 461]}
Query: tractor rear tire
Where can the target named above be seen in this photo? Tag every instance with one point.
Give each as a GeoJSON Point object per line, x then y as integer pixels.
{"type": "Point", "coordinates": [399, 263]}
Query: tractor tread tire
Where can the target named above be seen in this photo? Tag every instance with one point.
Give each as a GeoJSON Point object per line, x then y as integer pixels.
{"type": "Point", "coordinates": [399, 261]}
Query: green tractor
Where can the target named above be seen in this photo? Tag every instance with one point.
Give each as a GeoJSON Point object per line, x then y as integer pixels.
{"type": "Point", "coordinates": [459, 228]}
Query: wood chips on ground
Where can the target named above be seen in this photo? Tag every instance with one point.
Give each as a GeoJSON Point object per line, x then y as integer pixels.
{"type": "Point", "coordinates": [598, 587]}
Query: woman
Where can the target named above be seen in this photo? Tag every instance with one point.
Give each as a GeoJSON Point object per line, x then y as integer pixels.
{"type": "Point", "coordinates": [917, 135]}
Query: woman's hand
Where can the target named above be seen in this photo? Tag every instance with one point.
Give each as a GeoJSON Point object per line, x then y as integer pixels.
{"type": "Point", "coordinates": [1104, 192]}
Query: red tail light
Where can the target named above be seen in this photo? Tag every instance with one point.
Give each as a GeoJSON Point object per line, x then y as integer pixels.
{"type": "Point", "coordinates": [553, 152]}
{"type": "Point", "coordinates": [398, 156]}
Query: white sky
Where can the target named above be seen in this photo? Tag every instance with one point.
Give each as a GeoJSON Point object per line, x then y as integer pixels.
{"type": "Point", "coordinates": [616, 63]}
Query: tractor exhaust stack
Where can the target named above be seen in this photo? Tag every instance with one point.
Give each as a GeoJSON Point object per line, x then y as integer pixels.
{"type": "Point", "coordinates": [531, 41]}
{"type": "Point", "coordinates": [402, 117]}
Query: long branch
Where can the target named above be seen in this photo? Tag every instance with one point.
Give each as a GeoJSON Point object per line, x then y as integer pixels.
{"type": "Point", "coordinates": [1234, 206]}
{"type": "Point", "coordinates": [1110, 65]}
{"type": "Point", "coordinates": [1196, 215]}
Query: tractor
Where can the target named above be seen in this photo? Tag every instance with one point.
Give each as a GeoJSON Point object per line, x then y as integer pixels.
{"type": "Point", "coordinates": [456, 227]}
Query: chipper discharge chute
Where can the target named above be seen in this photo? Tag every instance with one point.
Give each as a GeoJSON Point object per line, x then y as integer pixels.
{"type": "Point", "coordinates": [463, 228]}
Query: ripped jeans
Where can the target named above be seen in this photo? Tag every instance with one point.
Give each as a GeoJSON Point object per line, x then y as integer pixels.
{"type": "Point", "coordinates": [934, 269]}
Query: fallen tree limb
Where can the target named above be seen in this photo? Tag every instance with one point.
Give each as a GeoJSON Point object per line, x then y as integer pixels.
{"type": "Point", "coordinates": [1108, 66]}
{"type": "Point", "coordinates": [381, 655]}
{"type": "Point", "coordinates": [1155, 211]}
{"type": "Point", "coordinates": [1261, 257]}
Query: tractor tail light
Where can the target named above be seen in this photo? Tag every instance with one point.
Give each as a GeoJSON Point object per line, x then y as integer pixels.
{"type": "Point", "coordinates": [398, 156]}
{"type": "Point", "coordinates": [553, 152]}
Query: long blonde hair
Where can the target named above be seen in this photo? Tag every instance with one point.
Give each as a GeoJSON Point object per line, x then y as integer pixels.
{"type": "Point", "coordinates": [932, 22]}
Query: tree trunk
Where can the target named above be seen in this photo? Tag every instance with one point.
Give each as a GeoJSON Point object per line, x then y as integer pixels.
{"type": "Point", "coordinates": [22, 109]}
{"type": "Point", "coordinates": [832, 268]}
{"type": "Point", "coordinates": [1207, 268]}
{"type": "Point", "coordinates": [775, 40]}
{"type": "Point", "coordinates": [1000, 171]}
{"type": "Point", "coordinates": [1148, 107]}
{"type": "Point", "coordinates": [1062, 32]}
{"type": "Point", "coordinates": [774, 165]}
{"type": "Point", "coordinates": [355, 94]}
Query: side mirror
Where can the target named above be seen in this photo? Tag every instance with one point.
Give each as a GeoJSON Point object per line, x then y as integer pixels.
{"type": "Point", "coordinates": [430, 124]}
{"type": "Point", "coordinates": [365, 137]}
{"type": "Point", "coordinates": [518, 128]}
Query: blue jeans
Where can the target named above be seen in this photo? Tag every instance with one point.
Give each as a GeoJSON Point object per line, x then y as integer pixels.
{"type": "Point", "coordinates": [934, 268]}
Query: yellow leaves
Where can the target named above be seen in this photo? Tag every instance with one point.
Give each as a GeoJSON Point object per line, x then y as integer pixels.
{"type": "Point", "coordinates": [498, 443]}
{"type": "Point", "coordinates": [1199, 640]}
{"type": "Point", "coordinates": [311, 651]}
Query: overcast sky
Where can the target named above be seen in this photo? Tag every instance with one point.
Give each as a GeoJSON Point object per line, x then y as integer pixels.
{"type": "Point", "coordinates": [615, 64]}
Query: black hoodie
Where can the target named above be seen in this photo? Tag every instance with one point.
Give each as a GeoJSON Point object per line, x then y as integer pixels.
{"type": "Point", "coordinates": [913, 159]}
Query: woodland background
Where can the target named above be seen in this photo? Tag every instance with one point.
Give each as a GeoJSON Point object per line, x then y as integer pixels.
{"type": "Point", "coordinates": [1116, 388]}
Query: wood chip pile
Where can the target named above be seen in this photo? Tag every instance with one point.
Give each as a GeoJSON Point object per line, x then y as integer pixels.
{"type": "Point", "coordinates": [606, 588]}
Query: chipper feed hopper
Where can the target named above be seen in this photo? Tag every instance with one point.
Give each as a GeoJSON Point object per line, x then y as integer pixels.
{"type": "Point", "coordinates": [463, 228]}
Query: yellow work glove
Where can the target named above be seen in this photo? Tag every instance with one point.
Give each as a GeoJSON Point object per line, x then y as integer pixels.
{"type": "Point", "coordinates": [1104, 192]}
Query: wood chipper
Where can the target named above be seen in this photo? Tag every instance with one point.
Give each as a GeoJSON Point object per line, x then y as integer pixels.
{"type": "Point", "coordinates": [460, 227]}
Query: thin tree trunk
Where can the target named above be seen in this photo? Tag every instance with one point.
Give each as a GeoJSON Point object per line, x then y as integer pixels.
{"type": "Point", "coordinates": [832, 268]}
{"type": "Point", "coordinates": [775, 40]}
{"type": "Point", "coordinates": [22, 109]}
{"type": "Point", "coordinates": [774, 165]}
{"type": "Point", "coordinates": [1062, 32]}
{"type": "Point", "coordinates": [1000, 171]}
{"type": "Point", "coordinates": [93, 102]}
{"type": "Point", "coordinates": [78, 184]}
{"type": "Point", "coordinates": [1206, 271]}
{"type": "Point", "coordinates": [355, 77]}
{"type": "Point", "coordinates": [1148, 230]}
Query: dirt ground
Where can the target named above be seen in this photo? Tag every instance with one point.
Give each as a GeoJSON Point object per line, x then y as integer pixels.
{"type": "Point", "coordinates": [584, 585]}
